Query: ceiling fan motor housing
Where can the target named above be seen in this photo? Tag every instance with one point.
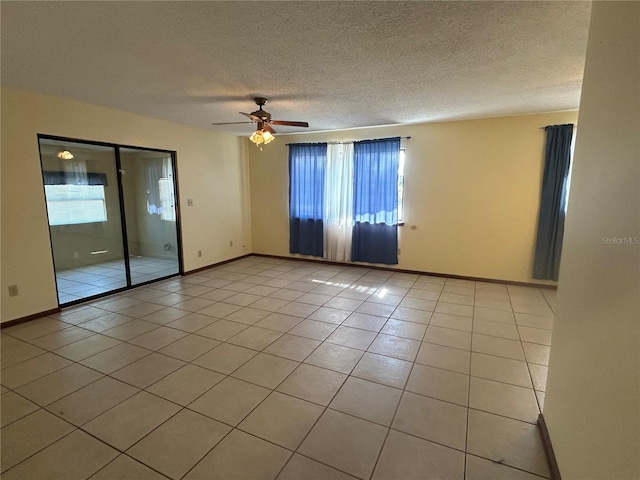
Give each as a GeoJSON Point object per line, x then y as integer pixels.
{"type": "Point", "coordinates": [260, 113]}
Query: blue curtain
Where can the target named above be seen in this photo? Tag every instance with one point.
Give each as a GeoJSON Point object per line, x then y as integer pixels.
{"type": "Point", "coordinates": [306, 197]}
{"type": "Point", "coordinates": [552, 202]}
{"type": "Point", "coordinates": [375, 232]}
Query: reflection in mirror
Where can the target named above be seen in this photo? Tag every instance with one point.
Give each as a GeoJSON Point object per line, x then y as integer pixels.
{"type": "Point", "coordinates": [83, 207]}
{"type": "Point", "coordinates": [150, 206]}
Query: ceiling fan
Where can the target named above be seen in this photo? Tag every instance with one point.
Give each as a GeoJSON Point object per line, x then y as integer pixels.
{"type": "Point", "coordinates": [264, 132]}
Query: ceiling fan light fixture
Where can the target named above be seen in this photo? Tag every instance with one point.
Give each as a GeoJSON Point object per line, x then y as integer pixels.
{"type": "Point", "coordinates": [267, 136]}
{"type": "Point", "coordinates": [64, 155]}
{"type": "Point", "coordinates": [264, 131]}
{"type": "Point", "coordinates": [261, 136]}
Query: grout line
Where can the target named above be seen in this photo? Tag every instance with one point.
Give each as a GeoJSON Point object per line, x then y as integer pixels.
{"type": "Point", "coordinates": [535, 396]}
{"type": "Point", "coordinates": [404, 388]}
{"type": "Point", "coordinates": [4, 472]}
{"type": "Point", "coordinates": [466, 433]}
{"type": "Point", "coordinates": [535, 475]}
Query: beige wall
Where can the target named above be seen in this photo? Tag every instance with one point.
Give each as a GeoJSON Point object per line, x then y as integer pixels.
{"type": "Point", "coordinates": [212, 170]}
{"type": "Point", "coordinates": [471, 193]}
{"type": "Point", "coordinates": [592, 404]}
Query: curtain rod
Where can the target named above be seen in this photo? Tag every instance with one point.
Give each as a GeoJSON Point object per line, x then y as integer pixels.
{"type": "Point", "coordinates": [544, 128]}
{"type": "Point", "coordinates": [347, 141]}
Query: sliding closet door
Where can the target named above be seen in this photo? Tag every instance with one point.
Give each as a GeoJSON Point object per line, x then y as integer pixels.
{"type": "Point", "coordinates": [83, 207]}
{"type": "Point", "coordinates": [150, 207]}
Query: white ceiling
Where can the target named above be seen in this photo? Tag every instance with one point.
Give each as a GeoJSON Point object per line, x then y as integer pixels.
{"type": "Point", "coordinates": [334, 64]}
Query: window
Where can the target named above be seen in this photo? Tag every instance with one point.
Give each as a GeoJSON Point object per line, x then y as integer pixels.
{"type": "Point", "coordinates": [74, 204]}
{"type": "Point", "coordinates": [167, 200]}
{"type": "Point", "coordinates": [567, 183]}
{"type": "Point", "coordinates": [344, 200]}
{"type": "Point", "coordinates": [401, 158]}
{"type": "Point", "coordinates": [160, 194]}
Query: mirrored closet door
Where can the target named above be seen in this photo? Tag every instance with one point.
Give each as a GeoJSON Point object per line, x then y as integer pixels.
{"type": "Point", "coordinates": [112, 215]}
{"type": "Point", "coordinates": [150, 206]}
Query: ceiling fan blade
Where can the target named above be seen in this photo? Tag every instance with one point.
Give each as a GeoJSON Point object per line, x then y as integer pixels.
{"type": "Point", "coordinates": [268, 128]}
{"type": "Point", "coordinates": [252, 117]}
{"type": "Point", "coordinates": [229, 123]}
{"type": "Point", "coordinates": [288, 123]}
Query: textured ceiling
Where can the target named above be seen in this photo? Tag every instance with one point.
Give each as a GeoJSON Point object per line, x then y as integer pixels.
{"type": "Point", "coordinates": [334, 64]}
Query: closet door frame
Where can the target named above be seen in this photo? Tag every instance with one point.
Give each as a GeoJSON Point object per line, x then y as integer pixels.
{"type": "Point", "coordinates": [123, 221]}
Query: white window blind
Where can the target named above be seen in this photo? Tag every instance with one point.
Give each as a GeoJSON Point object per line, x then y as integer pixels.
{"type": "Point", "coordinates": [74, 204]}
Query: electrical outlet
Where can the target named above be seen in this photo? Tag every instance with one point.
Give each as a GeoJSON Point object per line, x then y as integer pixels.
{"type": "Point", "coordinates": [398, 251]}
{"type": "Point", "coordinates": [189, 202]}
{"type": "Point", "coordinates": [13, 290]}
{"type": "Point", "coordinates": [199, 253]}
{"type": "Point", "coordinates": [75, 254]}
{"type": "Point", "coordinates": [231, 243]}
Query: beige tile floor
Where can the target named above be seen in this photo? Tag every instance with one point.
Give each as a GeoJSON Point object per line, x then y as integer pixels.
{"type": "Point", "coordinates": [83, 282]}
{"type": "Point", "coordinates": [268, 368]}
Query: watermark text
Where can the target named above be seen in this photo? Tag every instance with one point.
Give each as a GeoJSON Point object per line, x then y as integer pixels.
{"type": "Point", "coordinates": [621, 240]}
